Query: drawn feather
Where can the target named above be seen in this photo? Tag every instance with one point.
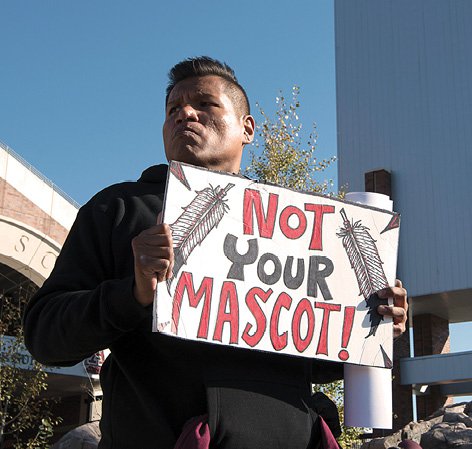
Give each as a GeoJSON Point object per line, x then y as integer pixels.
{"type": "Point", "coordinates": [196, 221]}
{"type": "Point", "coordinates": [177, 170]}
{"type": "Point", "coordinates": [386, 359]}
{"type": "Point", "coordinates": [393, 223]}
{"type": "Point", "coordinates": [365, 261]}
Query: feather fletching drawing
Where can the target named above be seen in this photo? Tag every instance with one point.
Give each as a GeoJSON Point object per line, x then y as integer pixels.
{"type": "Point", "coordinates": [394, 223]}
{"type": "Point", "coordinates": [386, 359]}
{"type": "Point", "coordinates": [203, 214]}
{"type": "Point", "coordinates": [177, 170]}
{"type": "Point", "coordinates": [365, 261]}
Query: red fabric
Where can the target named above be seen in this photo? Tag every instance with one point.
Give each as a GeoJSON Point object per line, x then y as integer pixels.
{"type": "Point", "coordinates": [327, 438]}
{"type": "Point", "coordinates": [195, 434]}
{"type": "Point", "coordinates": [409, 444]}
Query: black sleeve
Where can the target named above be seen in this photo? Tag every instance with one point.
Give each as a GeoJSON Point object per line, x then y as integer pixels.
{"type": "Point", "coordinates": [82, 308]}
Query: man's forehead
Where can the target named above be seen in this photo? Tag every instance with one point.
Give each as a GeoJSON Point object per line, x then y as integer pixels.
{"type": "Point", "coordinates": [198, 85]}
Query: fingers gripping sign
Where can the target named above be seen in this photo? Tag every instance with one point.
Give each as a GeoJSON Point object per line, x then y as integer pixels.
{"type": "Point", "coordinates": [398, 311]}
{"type": "Point", "coordinates": [153, 260]}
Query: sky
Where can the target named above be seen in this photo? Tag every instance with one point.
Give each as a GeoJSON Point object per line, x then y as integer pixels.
{"type": "Point", "coordinates": [82, 83]}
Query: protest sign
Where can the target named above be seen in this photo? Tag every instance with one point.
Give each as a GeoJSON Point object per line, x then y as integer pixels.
{"type": "Point", "coordinates": [266, 268]}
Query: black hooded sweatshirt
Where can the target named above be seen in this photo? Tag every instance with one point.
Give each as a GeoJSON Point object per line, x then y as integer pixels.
{"type": "Point", "coordinates": [152, 383]}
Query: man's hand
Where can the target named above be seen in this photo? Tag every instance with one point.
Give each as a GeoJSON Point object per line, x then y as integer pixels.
{"type": "Point", "coordinates": [153, 261]}
{"type": "Point", "coordinates": [399, 309]}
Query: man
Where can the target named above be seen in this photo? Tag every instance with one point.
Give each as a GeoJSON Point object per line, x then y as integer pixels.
{"type": "Point", "coordinates": [100, 295]}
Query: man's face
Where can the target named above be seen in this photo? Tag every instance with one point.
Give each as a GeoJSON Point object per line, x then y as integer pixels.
{"type": "Point", "coordinates": [203, 127]}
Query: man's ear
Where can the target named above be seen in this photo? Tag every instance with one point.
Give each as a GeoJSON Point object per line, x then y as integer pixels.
{"type": "Point", "coordinates": [249, 129]}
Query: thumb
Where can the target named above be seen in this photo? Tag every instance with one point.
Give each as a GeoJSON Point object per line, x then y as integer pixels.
{"type": "Point", "coordinates": [160, 217]}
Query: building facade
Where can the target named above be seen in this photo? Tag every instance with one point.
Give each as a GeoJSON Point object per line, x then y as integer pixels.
{"type": "Point", "coordinates": [404, 109]}
{"type": "Point", "coordinates": [35, 218]}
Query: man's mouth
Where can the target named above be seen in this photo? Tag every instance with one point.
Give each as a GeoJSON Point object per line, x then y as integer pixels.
{"type": "Point", "coordinates": [186, 131]}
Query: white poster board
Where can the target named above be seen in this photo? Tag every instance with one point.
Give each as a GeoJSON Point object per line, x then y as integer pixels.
{"type": "Point", "coordinates": [267, 268]}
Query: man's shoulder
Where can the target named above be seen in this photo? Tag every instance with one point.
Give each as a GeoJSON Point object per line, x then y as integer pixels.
{"type": "Point", "coordinates": [151, 185]}
{"type": "Point", "coordinates": [153, 179]}
{"type": "Point", "coordinates": [156, 174]}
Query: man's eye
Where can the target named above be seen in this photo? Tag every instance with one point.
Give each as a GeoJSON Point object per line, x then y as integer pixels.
{"type": "Point", "coordinates": [172, 110]}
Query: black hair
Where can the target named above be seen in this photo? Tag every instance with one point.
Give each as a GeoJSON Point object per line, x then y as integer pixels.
{"type": "Point", "coordinates": [206, 66]}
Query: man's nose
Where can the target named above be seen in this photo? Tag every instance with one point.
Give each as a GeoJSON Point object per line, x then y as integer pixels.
{"type": "Point", "coordinates": [187, 112]}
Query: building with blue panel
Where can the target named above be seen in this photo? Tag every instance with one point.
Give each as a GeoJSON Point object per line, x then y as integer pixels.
{"type": "Point", "coordinates": [404, 115]}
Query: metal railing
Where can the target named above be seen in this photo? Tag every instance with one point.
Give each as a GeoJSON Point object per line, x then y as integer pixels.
{"type": "Point", "coordinates": [39, 174]}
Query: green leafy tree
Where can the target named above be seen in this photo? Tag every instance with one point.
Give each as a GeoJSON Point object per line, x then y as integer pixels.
{"type": "Point", "coordinates": [335, 391]}
{"type": "Point", "coordinates": [282, 156]}
{"type": "Point", "coordinates": [26, 420]}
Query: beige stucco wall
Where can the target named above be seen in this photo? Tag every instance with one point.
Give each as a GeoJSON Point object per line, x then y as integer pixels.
{"type": "Point", "coordinates": [35, 218]}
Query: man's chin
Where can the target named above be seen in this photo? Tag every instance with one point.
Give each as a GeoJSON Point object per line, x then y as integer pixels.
{"type": "Point", "coordinates": [189, 154]}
